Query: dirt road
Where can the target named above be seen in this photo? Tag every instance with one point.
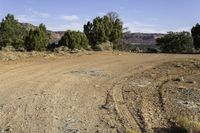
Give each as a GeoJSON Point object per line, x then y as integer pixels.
{"type": "Point", "coordinates": [69, 94]}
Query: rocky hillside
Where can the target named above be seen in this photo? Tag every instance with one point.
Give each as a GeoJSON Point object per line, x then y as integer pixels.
{"type": "Point", "coordinates": [28, 26]}
{"type": "Point", "coordinates": [55, 36]}
{"type": "Point", "coordinates": [141, 38]}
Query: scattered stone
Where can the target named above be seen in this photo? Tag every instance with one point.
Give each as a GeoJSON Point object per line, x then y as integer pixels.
{"type": "Point", "coordinates": [97, 131]}
{"type": "Point", "coordinates": [9, 129]}
{"type": "Point", "coordinates": [191, 81]}
{"type": "Point", "coordinates": [93, 73]}
{"type": "Point", "coordinates": [111, 124]}
{"type": "Point", "coordinates": [178, 65]}
{"type": "Point", "coordinates": [120, 130]}
{"type": "Point", "coordinates": [197, 64]}
{"type": "Point", "coordinates": [106, 106]}
{"type": "Point", "coordinates": [180, 79]}
{"type": "Point", "coordinates": [187, 104]}
{"type": "Point", "coordinates": [37, 108]}
{"type": "Point", "coordinates": [1, 106]}
{"type": "Point", "coordinates": [97, 86]}
{"type": "Point", "coordinates": [141, 83]}
{"type": "Point", "coordinates": [127, 91]}
{"type": "Point", "coordinates": [183, 88]}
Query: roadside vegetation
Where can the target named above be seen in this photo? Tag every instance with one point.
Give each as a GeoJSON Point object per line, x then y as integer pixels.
{"type": "Point", "coordinates": [176, 42]}
{"type": "Point", "coordinates": [103, 30]}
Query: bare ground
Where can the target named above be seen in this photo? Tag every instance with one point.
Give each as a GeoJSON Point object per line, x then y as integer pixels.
{"type": "Point", "coordinates": [100, 92]}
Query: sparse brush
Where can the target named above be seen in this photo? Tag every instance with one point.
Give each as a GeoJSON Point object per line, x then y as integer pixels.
{"type": "Point", "coordinates": [189, 125]}
{"type": "Point", "coordinates": [131, 131]}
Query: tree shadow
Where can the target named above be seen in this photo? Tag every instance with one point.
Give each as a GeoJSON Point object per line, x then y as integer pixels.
{"type": "Point", "coordinates": [169, 130]}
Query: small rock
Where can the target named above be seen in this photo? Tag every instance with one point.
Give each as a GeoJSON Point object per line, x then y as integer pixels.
{"type": "Point", "coordinates": [97, 86]}
{"type": "Point", "coordinates": [97, 131]}
{"type": "Point", "coordinates": [178, 65]}
{"type": "Point", "coordinates": [112, 125]}
{"type": "Point", "coordinates": [6, 130]}
{"type": "Point", "coordinates": [2, 106]}
{"type": "Point", "coordinates": [127, 91]}
{"type": "Point", "coordinates": [191, 82]}
{"type": "Point", "coordinates": [182, 88]}
{"type": "Point", "coordinates": [1, 130]}
{"type": "Point", "coordinates": [180, 79]}
{"type": "Point", "coordinates": [106, 106]}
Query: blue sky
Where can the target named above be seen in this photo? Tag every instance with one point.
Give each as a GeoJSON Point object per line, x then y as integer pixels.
{"type": "Point", "coordinates": [138, 15]}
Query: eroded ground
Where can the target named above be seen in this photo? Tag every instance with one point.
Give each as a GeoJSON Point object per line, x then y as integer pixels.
{"type": "Point", "coordinates": [99, 92]}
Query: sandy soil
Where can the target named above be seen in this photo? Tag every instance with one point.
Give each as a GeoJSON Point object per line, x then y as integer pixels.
{"type": "Point", "coordinates": [87, 93]}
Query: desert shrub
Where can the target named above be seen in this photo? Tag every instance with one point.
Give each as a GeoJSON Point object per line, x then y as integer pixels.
{"type": "Point", "coordinates": [104, 29]}
{"type": "Point", "coordinates": [188, 125]}
{"type": "Point", "coordinates": [11, 32]}
{"type": "Point", "coordinates": [176, 42]}
{"type": "Point", "coordinates": [132, 131]}
{"type": "Point", "coordinates": [38, 39]}
{"type": "Point", "coordinates": [104, 46]}
{"type": "Point", "coordinates": [61, 49]}
{"type": "Point", "coordinates": [196, 35]}
{"type": "Point", "coordinates": [8, 48]}
{"type": "Point", "coordinates": [153, 50]}
{"type": "Point", "coordinates": [74, 40]}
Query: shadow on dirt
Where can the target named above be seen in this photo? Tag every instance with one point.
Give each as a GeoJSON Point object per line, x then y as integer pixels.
{"type": "Point", "coordinates": [169, 130]}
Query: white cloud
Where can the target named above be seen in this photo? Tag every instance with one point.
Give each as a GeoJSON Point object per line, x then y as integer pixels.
{"type": "Point", "coordinates": [38, 14]}
{"type": "Point", "coordinates": [70, 18]}
{"type": "Point", "coordinates": [142, 27]}
{"type": "Point", "coordinates": [64, 27]}
{"type": "Point", "coordinates": [87, 19]}
{"type": "Point", "coordinates": [183, 29]}
{"type": "Point", "coordinates": [25, 18]}
{"type": "Point", "coordinates": [32, 16]}
{"type": "Point", "coordinates": [101, 13]}
{"type": "Point", "coordinates": [136, 26]}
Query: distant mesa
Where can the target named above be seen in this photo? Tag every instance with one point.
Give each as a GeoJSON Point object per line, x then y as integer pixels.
{"type": "Point", "coordinates": [128, 38]}
{"type": "Point", "coordinates": [141, 38]}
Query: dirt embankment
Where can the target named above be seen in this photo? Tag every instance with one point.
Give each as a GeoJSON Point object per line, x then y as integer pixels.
{"type": "Point", "coordinates": [100, 92]}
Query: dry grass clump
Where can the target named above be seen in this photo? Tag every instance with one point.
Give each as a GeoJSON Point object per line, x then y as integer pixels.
{"type": "Point", "coordinates": [131, 131]}
{"type": "Point", "coordinates": [188, 125]}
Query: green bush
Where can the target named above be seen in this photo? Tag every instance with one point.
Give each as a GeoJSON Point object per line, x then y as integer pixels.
{"type": "Point", "coordinates": [12, 33]}
{"type": "Point", "coordinates": [74, 40]}
{"type": "Point", "coordinates": [38, 39]}
{"type": "Point", "coordinates": [104, 29]}
{"type": "Point", "coordinates": [196, 36]}
{"type": "Point", "coordinates": [176, 42]}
